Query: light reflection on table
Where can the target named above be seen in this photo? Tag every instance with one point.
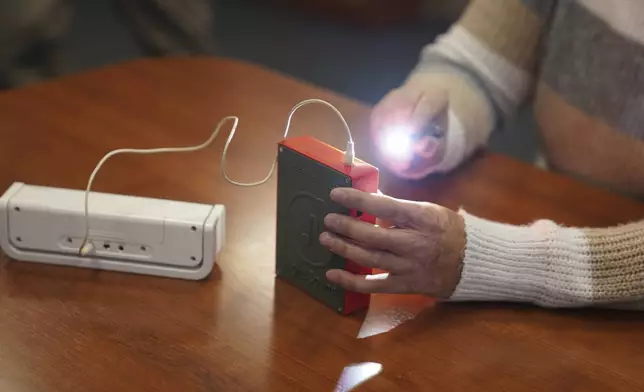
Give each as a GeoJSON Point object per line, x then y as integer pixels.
{"type": "Point", "coordinates": [356, 374]}
{"type": "Point", "coordinates": [388, 311]}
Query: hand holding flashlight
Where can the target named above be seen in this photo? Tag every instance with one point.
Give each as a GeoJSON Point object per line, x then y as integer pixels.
{"type": "Point", "coordinates": [409, 126]}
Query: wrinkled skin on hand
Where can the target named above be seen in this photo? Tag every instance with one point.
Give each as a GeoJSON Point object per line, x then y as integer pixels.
{"type": "Point", "coordinates": [422, 252]}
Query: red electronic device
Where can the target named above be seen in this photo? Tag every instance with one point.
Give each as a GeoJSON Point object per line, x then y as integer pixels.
{"type": "Point", "coordinates": [307, 171]}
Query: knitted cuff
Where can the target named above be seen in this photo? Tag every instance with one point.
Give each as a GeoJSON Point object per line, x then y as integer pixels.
{"type": "Point", "coordinates": [541, 263]}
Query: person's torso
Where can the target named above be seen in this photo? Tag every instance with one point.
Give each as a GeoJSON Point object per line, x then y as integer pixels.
{"type": "Point", "coordinates": [590, 94]}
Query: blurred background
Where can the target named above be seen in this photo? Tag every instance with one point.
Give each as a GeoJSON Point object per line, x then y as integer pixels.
{"type": "Point", "coordinates": [359, 48]}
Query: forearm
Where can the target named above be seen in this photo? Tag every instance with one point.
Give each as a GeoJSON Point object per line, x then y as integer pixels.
{"type": "Point", "coordinates": [486, 64]}
{"type": "Point", "coordinates": [553, 266]}
{"type": "Point", "coordinates": [496, 44]}
{"type": "Point", "coordinates": [603, 156]}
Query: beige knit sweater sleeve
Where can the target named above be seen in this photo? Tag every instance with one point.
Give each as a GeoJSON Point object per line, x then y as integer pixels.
{"type": "Point", "coordinates": [551, 265]}
{"type": "Point", "coordinates": [486, 63]}
{"type": "Point", "coordinates": [491, 54]}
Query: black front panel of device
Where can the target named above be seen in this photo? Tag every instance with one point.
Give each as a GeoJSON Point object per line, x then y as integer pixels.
{"type": "Point", "coordinates": [303, 187]}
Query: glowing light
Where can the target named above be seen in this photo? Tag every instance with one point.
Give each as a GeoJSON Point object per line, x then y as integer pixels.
{"type": "Point", "coordinates": [397, 142]}
{"type": "Point", "coordinates": [389, 311]}
{"type": "Point", "coordinates": [382, 276]}
{"type": "Point", "coordinates": [356, 374]}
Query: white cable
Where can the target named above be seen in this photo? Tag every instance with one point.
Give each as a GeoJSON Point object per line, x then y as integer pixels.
{"type": "Point", "coordinates": [87, 246]}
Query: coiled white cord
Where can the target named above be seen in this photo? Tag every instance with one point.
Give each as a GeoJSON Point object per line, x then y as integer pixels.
{"type": "Point", "coordinates": [87, 246]}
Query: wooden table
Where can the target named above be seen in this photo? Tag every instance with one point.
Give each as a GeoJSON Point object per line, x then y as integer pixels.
{"type": "Point", "coordinates": [66, 329]}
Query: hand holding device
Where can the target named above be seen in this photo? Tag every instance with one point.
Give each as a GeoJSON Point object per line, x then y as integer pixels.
{"type": "Point", "coordinates": [422, 252]}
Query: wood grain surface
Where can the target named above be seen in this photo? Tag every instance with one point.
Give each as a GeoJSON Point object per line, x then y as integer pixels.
{"type": "Point", "coordinates": [67, 329]}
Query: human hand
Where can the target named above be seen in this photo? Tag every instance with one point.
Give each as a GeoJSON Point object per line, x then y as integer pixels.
{"type": "Point", "coordinates": [423, 252]}
{"type": "Point", "coordinates": [409, 126]}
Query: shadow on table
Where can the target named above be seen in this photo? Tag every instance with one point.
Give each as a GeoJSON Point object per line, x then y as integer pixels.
{"type": "Point", "coordinates": [64, 291]}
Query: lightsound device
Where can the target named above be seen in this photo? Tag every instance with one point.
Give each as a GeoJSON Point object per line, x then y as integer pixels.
{"type": "Point", "coordinates": [128, 234]}
{"type": "Point", "coordinates": [179, 239]}
{"type": "Point", "coordinates": [307, 171]}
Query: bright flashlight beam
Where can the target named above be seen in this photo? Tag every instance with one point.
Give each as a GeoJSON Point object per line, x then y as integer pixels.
{"type": "Point", "coordinates": [397, 143]}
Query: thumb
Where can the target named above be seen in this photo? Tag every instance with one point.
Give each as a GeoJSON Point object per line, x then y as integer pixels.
{"type": "Point", "coordinates": [430, 119]}
{"type": "Point", "coordinates": [427, 147]}
{"type": "Point", "coordinates": [431, 111]}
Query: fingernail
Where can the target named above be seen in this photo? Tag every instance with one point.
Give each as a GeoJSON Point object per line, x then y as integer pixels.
{"type": "Point", "coordinates": [326, 239]}
{"type": "Point", "coordinates": [338, 194]}
{"type": "Point", "coordinates": [426, 148]}
{"type": "Point", "coordinates": [331, 221]}
{"type": "Point", "coordinates": [332, 276]}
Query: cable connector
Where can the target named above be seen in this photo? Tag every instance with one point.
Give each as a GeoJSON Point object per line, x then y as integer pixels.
{"type": "Point", "coordinates": [349, 154]}
{"type": "Point", "coordinates": [87, 248]}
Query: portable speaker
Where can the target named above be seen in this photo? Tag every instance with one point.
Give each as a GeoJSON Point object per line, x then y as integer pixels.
{"type": "Point", "coordinates": [307, 171]}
